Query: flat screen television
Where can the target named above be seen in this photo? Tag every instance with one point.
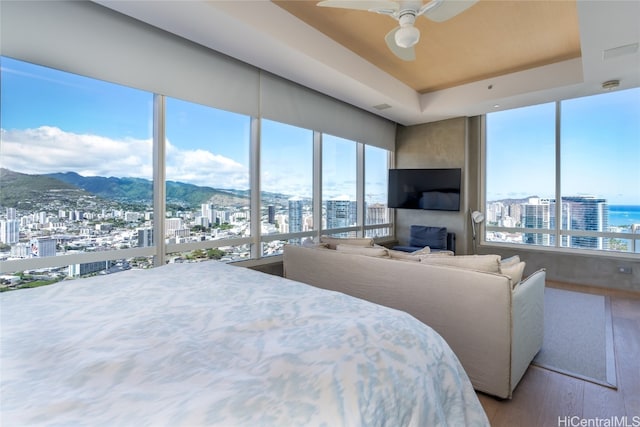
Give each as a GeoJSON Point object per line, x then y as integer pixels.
{"type": "Point", "coordinates": [431, 189]}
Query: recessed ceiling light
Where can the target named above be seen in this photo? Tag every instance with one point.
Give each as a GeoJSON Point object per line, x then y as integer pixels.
{"type": "Point", "coordinates": [496, 106]}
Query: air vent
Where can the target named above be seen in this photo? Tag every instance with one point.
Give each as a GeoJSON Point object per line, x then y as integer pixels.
{"type": "Point", "coordinates": [614, 52]}
{"type": "Point", "coordinates": [382, 106]}
{"type": "Point", "coordinates": [610, 84]}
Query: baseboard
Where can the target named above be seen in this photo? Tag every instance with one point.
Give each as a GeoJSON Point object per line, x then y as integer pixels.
{"type": "Point", "coordinates": [590, 289]}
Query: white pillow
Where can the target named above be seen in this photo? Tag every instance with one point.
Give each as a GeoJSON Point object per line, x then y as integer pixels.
{"type": "Point", "coordinates": [404, 256]}
{"type": "Point", "coordinates": [363, 250]}
{"type": "Point", "coordinates": [353, 241]}
{"type": "Point", "coordinates": [488, 263]}
{"type": "Point", "coordinates": [510, 261]}
{"type": "Point", "coordinates": [423, 251]}
{"type": "Point", "coordinates": [310, 243]}
{"type": "Point", "coordinates": [514, 271]}
{"type": "Point", "coordinates": [438, 254]}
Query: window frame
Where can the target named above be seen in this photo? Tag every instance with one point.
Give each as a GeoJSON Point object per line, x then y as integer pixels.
{"type": "Point", "coordinates": [557, 232]}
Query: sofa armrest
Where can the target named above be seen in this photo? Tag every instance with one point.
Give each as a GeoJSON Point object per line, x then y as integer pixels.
{"type": "Point", "coordinates": [528, 323]}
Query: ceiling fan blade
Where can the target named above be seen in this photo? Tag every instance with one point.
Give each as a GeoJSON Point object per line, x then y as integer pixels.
{"type": "Point", "coordinates": [441, 10]}
{"type": "Point", "coordinates": [406, 54]}
{"type": "Point", "coordinates": [372, 5]}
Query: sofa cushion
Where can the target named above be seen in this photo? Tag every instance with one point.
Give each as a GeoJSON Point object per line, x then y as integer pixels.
{"type": "Point", "coordinates": [378, 252]}
{"type": "Point", "coordinates": [488, 263]}
{"type": "Point", "coordinates": [514, 271]}
{"type": "Point", "coordinates": [354, 241]}
{"type": "Point", "coordinates": [434, 237]}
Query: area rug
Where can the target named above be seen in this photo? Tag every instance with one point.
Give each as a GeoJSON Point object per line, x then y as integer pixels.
{"type": "Point", "coordinates": [578, 336]}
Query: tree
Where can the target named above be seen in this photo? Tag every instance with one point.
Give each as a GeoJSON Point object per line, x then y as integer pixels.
{"type": "Point", "coordinates": [198, 253]}
{"type": "Point", "coordinates": [215, 253]}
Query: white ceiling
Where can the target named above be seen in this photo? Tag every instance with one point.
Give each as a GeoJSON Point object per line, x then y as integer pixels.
{"type": "Point", "coordinates": [262, 34]}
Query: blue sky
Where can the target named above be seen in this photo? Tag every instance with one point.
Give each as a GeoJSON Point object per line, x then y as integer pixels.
{"type": "Point", "coordinates": [54, 122]}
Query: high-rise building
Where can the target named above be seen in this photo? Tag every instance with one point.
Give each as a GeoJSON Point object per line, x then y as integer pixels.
{"type": "Point", "coordinates": [145, 237]}
{"type": "Point", "coordinates": [171, 225]}
{"type": "Point", "coordinates": [207, 211]}
{"type": "Point", "coordinates": [271, 214]}
{"type": "Point", "coordinates": [590, 214]}
{"type": "Point", "coordinates": [377, 213]}
{"type": "Point", "coordinates": [577, 213]}
{"type": "Point", "coordinates": [10, 228]}
{"type": "Point", "coordinates": [341, 212]}
{"type": "Point", "coordinates": [42, 247]}
{"type": "Point", "coordinates": [75, 270]}
{"type": "Point", "coordinates": [295, 215]}
{"type": "Point", "coordinates": [536, 213]}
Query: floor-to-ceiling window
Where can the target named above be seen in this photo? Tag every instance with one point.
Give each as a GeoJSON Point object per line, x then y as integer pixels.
{"type": "Point", "coordinates": [339, 186]}
{"type": "Point", "coordinates": [286, 184]}
{"type": "Point", "coordinates": [76, 159]}
{"type": "Point", "coordinates": [81, 186]}
{"type": "Point", "coordinates": [376, 171]}
{"type": "Point", "coordinates": [566, 174]}
{"type": "Point", "coordinates": [207, 181]}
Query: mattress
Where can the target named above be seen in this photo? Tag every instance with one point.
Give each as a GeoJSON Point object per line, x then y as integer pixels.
{"type": "Point", "coordinates": [210, 344]}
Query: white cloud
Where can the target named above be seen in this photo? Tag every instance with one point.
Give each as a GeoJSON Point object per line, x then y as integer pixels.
{"type": "Point", "coordinates": [294, 179]}
{"type": "Point", "coordinates": [202, 167]}
{"type": "Point", "coordinates": [49, 149]}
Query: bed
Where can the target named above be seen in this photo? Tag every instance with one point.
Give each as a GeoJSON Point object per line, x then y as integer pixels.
{"type": "Point", "coordinates": [218, 345]}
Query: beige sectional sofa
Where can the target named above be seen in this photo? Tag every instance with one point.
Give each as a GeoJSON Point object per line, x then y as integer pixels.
{"type": "Point", "coordinates": [494, 325]}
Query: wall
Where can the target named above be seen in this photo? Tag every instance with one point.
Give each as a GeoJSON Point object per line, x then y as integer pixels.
{"type": "Point", "coordinates": [434, 145]}
{"type": "Point", "coordinates": [456, 143]}
{"type": "Point", "coordinates": [580, 269]}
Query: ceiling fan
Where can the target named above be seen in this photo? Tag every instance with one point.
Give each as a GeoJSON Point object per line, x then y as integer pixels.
{"type": "Point", "coordinates": [402, 38]}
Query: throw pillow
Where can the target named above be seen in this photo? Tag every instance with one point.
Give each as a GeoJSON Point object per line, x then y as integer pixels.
{"type": "Point", "coordinates": [423, 251]}
{"type": "Point", "coordinates": [404, 256]}
{"type": "Point", "coordinates": [436, 254]}
{"type": "Point", "coordinates": [310, 243]}
{"type": "Point", "coordinates": [488, 263]}
{"type": "Point", "coordinates": [363, 250]}
{"type": "Point", "coordinates": [514, 271]}
{"type": "Point", "coordinates": [354, 241]}
{"type": "Point", "coordinates": [434, 237]}
{"type": "Point", "coordinates": [510, 261]}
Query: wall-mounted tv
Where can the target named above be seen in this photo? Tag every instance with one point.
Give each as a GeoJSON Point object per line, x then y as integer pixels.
{"type": "Point", "coordinates": [431, 189]}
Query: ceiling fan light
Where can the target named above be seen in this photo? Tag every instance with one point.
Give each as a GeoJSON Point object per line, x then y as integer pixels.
{"type": "Point", "coordinates": [407, 36]}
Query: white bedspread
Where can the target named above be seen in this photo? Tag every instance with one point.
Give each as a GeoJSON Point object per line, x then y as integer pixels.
{"type": "Point", "coordinates": [217, 345]}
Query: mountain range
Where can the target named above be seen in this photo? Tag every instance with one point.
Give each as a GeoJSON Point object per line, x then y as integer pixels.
{"type": "Point", "coordinates": [23, 191]}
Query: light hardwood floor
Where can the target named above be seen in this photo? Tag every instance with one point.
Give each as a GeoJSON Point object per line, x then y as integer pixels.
{"type": "Point", "coordinates": [546, 398]}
